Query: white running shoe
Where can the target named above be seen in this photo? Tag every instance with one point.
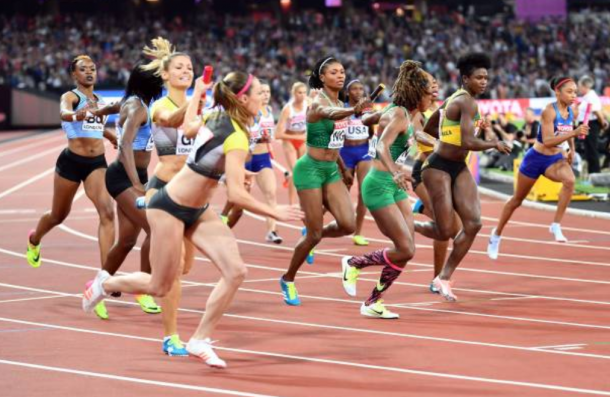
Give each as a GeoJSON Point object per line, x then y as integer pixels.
{"type": "Point", "coordinates": [378, 310]}
{"type": "Point", "coordinates": [444, 287]}
{"type": "Point", "coordinates": [493, 248]}
{"type": "Point", "coordinates": [272, 237]}
{"type": "Point", "coordinates": [555, 229]}
{"type": "Point", "coordinates": [94, 293]}
{"type": "Point", "coordinates": [350, 276]}
{"type": "Point", "coordinates": [202, 348]}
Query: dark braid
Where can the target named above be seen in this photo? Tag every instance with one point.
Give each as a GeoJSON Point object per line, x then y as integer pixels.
{"type": "Point", "coordinates": [410, 86]}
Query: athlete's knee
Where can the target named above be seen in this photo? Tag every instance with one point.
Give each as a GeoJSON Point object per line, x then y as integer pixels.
{"type": "Point", "coordinates": [160, 288]}
{"type": "Point", "coordinates": [348, 226]}
{"type": "Point", "coordinates": [405, 251]}
{"type": "Point", "coordinates": [569, 183]}
{"type": "Point", "coordinates": [472, 226]}
{"type": "Point", "coordinates": [106, 214]}
{"type": "Point", "coordinates": [314, 235]}
{"type": "Point", "coordinates": [57, 217]}
{"type": "Point", "coordinates": [236, 274]}
{"type": "Point", "coordinates": [444, 233]}
{"type": "Point", "coordinates": [515, 202]}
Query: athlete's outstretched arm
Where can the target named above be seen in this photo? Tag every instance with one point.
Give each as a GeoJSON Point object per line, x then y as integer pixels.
{"type": "Point", "coordinates": [468, 110]}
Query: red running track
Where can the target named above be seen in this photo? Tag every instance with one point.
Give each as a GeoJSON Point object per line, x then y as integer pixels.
{"type": "Point", "coordinates": [536, 322]}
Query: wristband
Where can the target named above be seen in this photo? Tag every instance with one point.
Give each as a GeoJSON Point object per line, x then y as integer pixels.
{"type": "Point", "coordinates": [74, 117]}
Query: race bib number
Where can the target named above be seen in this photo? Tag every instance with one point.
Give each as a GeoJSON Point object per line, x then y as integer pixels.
{"type": "Point", "coordinates": [373, 147]}
{"type": "Point", "coordinates": [150, 144]}
{"type": "Point", "coordinates": [93, 123]}
{"type": "Point", "coordinates": [184, 145]}
{"type": "Point", "coordinates": [338, 136]}
{"type": "Point", "coordinates": [402, 158]}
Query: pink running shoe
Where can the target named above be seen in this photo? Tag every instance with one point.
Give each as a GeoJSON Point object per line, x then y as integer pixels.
{"type": "Point", "coordinates": [444, 287]}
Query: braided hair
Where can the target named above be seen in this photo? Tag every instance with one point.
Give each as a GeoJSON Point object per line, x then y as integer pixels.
{"type": "Point", "coordinates": [410, 86]}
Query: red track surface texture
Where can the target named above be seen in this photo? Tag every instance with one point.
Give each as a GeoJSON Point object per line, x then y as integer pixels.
{"type": "Point", "coordinates": [536, 322]}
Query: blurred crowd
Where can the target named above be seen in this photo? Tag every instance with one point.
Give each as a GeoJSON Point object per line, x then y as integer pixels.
{"type": "Point", "coordinates": [35, 51]}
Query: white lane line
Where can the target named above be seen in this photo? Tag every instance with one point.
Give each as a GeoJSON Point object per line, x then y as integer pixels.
{"type": "Point", "coordinates": [37, 156]}
{"type": "Point", "coordinates": [322, 326]}
{"type": "Point", "coordinates": [561, 346]}
{"type": "Point", "coordinates": [130, 379]}
{"type": "Point", "coordinates": [32, 299]}
{"type": "Point", "coordinates": [27, 182]}
{"type": "Point", "coordinates": [17, 212]}
{"type": "Point", "coordinates": [342, 363]}
{"type": "Point", "coordinates": [92, 238]}
{"type": "Point", "coordinates": [37, 144]}
{"type": "Point", "coordinates": [484, 253]}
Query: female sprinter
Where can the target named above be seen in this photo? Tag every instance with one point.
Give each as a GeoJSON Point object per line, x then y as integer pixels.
{"type": "Point", "coordinates": [126, 177]}
{"type": "Point", "coordinates": [445, 174]}
{"type": "Point", "coordinates": [291, 128]}
{"type": "Point", "coordinates": [82, 161]}
{"type": "Point", "coordinates": [355, 155]}
{"type": "Point", "coordinates": [179, 210]}
{"type": "Point", "coordinates": [317, 175]}
{"type": "Point", "coordinates": [261, 137]}
{"type": "Point", "coordinates": [551, 156]}
{"type": "Point", "coordinates": [384, 188]}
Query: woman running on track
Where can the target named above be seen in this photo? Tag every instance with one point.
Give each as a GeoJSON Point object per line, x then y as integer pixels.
{"type": "Point", "coordinates": [291, 128]}
{"type": "Point", "coordinates": [384, 188]}
{"type": "Point", "coordinates": [179, 209]}
{"type": "Point", "coordinates": [261, 137]}
{"type": "Point", "coordinates": [317, 175]}
{"type": "Point", "coordinates": [82, 161]}
{"type": "Point", "coordinates": [127, 175]}
{"type": "Point", "coordinates": [355, 155]}
{"type": "Point", "coordinates": [448, 181]}
{"type": "Point", "coordinates": [551, 156]}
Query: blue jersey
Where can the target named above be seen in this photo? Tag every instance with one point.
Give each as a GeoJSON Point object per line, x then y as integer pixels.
{"type": "Point", "coordinates": [91, 127]}
{"type": "Point", "coordinates": [143, 139]}
{"type": "Point", "coordinates": [561, 126]}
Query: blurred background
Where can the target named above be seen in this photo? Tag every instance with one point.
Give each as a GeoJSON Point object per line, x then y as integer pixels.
{"type": "Point", "coordinates": [529, 41]}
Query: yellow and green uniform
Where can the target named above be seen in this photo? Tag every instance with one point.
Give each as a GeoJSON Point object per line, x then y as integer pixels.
{"type": "Point", "coordinates": [451, 131]}
{"type": "Point", "coordinates": [423, 148]}
{"type": "Point", "coordinates": [309, 173]}
{"type": "Point", "coordinates": [378, 188]}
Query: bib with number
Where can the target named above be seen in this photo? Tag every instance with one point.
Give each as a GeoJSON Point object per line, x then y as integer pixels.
{"type": "Point", "coordinates": [337, 138]}
{"type": "Point", "coordinates": [93, 123]}
{"type": "Point", "coordinates": [184, 145]}
{"type": "Point", "coordinates": [373, 146]}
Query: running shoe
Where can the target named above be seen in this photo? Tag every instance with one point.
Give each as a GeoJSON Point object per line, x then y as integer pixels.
{"type": "Point", "coordinates": [202, 348]}
{"type": "Point", "coordinates": [33, 252]}
{"type": "Point", "coordinates": [444, 287]}
{"type": "Point", "coordinates": [272, 237]}
{"type": "Point", "coordinates": [418, 207]}
{"type": "Point", "coordinates": [360, 240]}
{"type": "Point", "coordinates": [555, 229]}
{"type": "Point", "coordinates": [289, 290]}
{"type": "Point", "coordinates": [94, 292]}
{"type": "Point", "coordinates": [493, 248]}
{"type": "Point", "coordinates": [350, 276]}
{"type": "Point", "coordinates": [172, 346]}
{"type": "Point", "coordinates": [101, 311]}
{"type": "Point", "coordinates": [310, 256]}
{"type": "Point", "coordinates": [433, 288]}
{"type": "Point", "coordinates": [148, 304]}
{"type": "Point", "coordinates": [378, 310]}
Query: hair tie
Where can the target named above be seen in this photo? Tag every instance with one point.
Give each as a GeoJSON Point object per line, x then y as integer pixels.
{"type": "Point", "coordinates": [322, 65]}
{"type": "Point", "coordinates": [562, 82]}
{"type": "Point", "coordinates": [246, 87]}
{"type": "Point", "coordinates": [351, 82]}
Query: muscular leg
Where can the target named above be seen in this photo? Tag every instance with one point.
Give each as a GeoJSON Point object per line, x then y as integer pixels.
{"type": "Point", "coordinates": [468, 207]}
{"type": "Point", "coordinates": [64, 191]}
{"type": "Point", "coordinates": [171, 301]}
{"type": "Point", "coordinates": [217, 242]}
{"type": "Point", "coordinates": [439, 247]}
{"type": "Point", "coordinates": [524, 185]}
{"type": "Point", "coordinates": [312, 206]}
{"type": "Point", "coordinates": [362, 169]}
{"type": "Point", "coordinates": [562, 172]}
{"type": "Point", "coordinates": [438, 186]}
{"type": "Point", "coordinates": [95, 188]}
{"type": "Point", "coordinates": [166, 245]}
{"type": "Point", "coordinates": [337, 200]}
